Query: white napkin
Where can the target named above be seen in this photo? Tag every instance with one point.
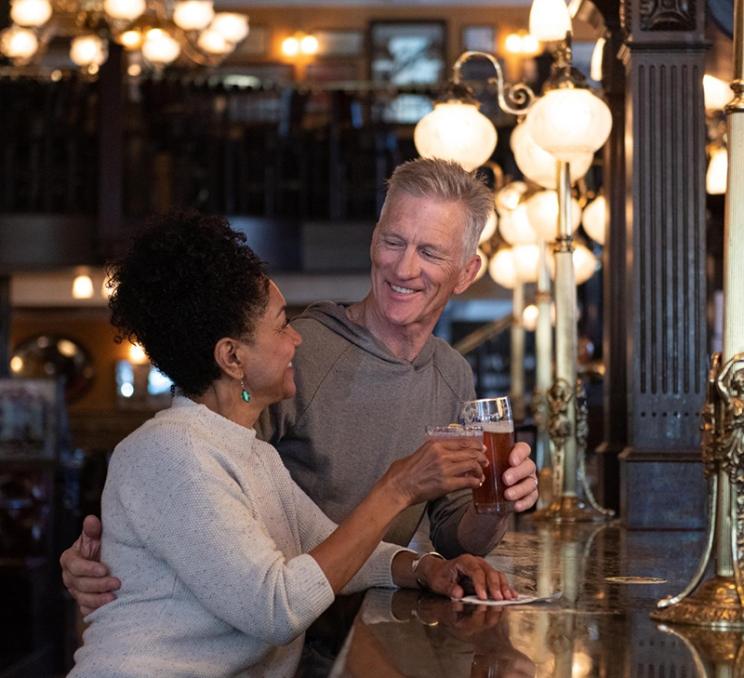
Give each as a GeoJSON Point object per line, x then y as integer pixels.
{"type": "Point", "coordinates": [521, 599]}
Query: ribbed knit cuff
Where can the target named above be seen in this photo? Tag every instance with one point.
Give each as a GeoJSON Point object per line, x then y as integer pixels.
{"type": "Point", "coordinates": [312, 592]}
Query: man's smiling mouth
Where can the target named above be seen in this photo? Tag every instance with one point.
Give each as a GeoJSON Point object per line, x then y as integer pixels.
{"type": "Point", "coordinates": [401, 290]}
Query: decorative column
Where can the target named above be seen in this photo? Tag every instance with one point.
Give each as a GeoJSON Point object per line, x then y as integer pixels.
{"type": "Point", "coordinates": [517, 353]}
{"type": "Point", "coordinates": [663, 300]}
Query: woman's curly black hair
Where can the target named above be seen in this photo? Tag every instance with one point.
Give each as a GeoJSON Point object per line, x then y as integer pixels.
{"type": "Point", "coordinates": [187, 281]}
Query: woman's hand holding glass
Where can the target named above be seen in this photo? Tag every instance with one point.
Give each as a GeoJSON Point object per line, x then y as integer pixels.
{"type": "Point", "coordinates": [438, 467]}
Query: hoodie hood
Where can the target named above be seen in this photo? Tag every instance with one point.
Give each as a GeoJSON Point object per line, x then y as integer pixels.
{"type": "Point", "coordinates": [334, 317]}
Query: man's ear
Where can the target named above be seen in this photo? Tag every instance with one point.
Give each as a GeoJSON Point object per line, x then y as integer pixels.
{"type": "Point", "coordinates": [467, 274]}
{"type": "Point", "coordinates": [227, 356]}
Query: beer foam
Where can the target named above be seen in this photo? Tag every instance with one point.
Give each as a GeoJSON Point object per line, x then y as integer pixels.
{"type": "Point", "coordinates": [498, 426]}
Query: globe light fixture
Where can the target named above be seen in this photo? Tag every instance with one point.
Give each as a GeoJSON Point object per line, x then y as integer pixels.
{"type": "Point", "coordinates": [489, 229]}
{"type": "Point", "coordinates": [456, 130]}
{"type": "Point", "coordinates": [585, 263]}
{"type": "Point", "coordinates": [516, 228]}
{"type": "Point", "coordinates": [549, 20]}
{"type": "Point", "coordinates": [595, 65]}
{"type": "Point", "coordinates": [163, 30]}
{"type": "Point", "coordinates": [716, 93]}
{"type": "Point", "coordinates": [568, 120]}
{"type": "Point", "coordinates": [717, 174]}
{"type": "Point", "coordinates": [526, 258]}
{"type": "Point", "coordinates": [82, 286]}
{"type": "Point", "coordinates": [502, 268]}
{"type": "Point", "coordinates": [193, 15]}
{"type": "Point", "coordinates": [30, 13]}
{"type": "Point", "coordinates": [542, 212]}
{"type": "Point", "coordinates": [529, 317]}
{"type": "Point", "coordinates": [594, 219]}
{"type": "Point", "coordinates": [507, 199]}
{"type": "Point", "coordinates": [538, 165]}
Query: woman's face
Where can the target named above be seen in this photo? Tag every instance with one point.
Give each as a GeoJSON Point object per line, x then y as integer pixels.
{"type": "Point", "coordinates": [268, 359]}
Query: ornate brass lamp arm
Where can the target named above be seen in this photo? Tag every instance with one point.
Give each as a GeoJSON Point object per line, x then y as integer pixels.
{"type": "Point", "coordinates": [517, 100]}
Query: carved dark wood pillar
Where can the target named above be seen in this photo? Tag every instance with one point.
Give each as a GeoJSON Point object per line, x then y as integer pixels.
{"type": "Point", "coordinates": [614, 269]}
{"type": "Point", "coordinates": [663, 302]}
{"type": "Point", "coordinates": [5, 319]}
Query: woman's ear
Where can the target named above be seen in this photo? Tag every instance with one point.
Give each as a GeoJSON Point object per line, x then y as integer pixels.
{"type": "Point", "coordinates": [227, 355]}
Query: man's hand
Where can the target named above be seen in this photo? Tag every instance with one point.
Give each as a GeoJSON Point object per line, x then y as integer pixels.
{"type": "Point", "coordinates": [521, 478]}
{"type": "Point", "coordinates": [84, 576]}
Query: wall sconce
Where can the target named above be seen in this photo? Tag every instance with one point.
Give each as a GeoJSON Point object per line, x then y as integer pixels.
{"type": "Point", "coordinates": [82, 285]}
{"type": "Point", "coordinates": [305, 44]}
{"type": "Point", "coordinates": [522, 44]}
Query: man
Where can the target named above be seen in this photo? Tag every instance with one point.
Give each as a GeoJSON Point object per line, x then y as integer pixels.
{"type": "Point", "coordinates": [371, 376]}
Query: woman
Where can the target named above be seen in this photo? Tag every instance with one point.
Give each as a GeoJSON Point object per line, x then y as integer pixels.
{"type": "Point", "coordinates": [224, 561]}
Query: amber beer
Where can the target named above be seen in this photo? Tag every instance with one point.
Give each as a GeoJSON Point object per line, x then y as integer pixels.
{"type": "Point", "coordinates": [498, 437]}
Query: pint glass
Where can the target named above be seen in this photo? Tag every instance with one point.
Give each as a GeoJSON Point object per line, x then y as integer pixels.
{"type": "Point", "coordinates": [495, 416]}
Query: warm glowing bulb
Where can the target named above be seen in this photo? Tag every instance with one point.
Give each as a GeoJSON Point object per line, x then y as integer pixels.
{"type": "Point", "coordinates": [529, 317]}
{"type": "Point", "coordinates": [159, 47]}
{"type": "Point", "coordinates": [233, 26]}
{"type": "Point", "coordinates": [489, 229]}
{"type": "Point", "coordinates": [291, 46]}
{"type": "Point", "coordinates": [193, 15]}
{"type": "Point", "coordinates": [542, 211]}
{"type": "Point", "coordinates": [502, 268]}
{"type": "Point", "coordinates": [456, 131]}
{"type": "Point", "coordinates": [595, 67]}
{"type": "Point", "coordinates": [309, 44]}
{"type": "Point", "coordinates": [515, 227]}
{"type": "Point", "coordinates": [16, 364]}
{"type": "Point", "coordinates": [585, 263]}
{"type": "Point", "coordinates": [717, 174]}
{"type": "Point", "coordinates": [526, 260]}
{"type": "Point", "coordinates": [82, 287]}
{"type": "Point", "coordinates": [213, 42]}
{"type": "Point", "coordinates": [549, 20]}
{"type": "Point", "coordinates": [131, 39]}
{"type": "Point", "coordinates": [507, 199]}
{"type": "Point", "coordinates": [134, 70]}
{"type": "Point", "coordinates": [594, 219]}
{"type": "Point", "coordinates": [513, 43]}
{"type": "Point", "coordinates": [126, 10]}
{"type": "Point", "coordinates": [18, 44]}
{"type": "Point", "coordinates": [137, 354]}
{"type": "Point", "coordinates": [30, 12]}
{"type": "Point", "coordinates": [716, 93]}
{"type": "Point", "coordinates": [88, 50]}
{"type": "Point", "coordinates": [66, 348]}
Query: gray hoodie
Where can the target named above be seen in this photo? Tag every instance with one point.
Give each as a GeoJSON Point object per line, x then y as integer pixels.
{"type": "Point", "coordinates": [358, 408]}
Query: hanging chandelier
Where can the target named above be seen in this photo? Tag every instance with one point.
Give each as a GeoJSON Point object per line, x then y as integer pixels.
{"type": "Point", "coordinates": [161, 31]}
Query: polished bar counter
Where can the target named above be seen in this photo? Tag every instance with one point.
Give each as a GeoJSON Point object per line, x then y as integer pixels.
{"type": "Point", "coordinates": [608, 578]}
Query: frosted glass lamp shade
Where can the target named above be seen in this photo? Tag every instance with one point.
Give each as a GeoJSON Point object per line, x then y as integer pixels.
{"type": "Point", "coordinates": [233, 26]}
{"type": "Point", "coordinates": [82, 287]}
{"type": "Point", "coordinates": [193, 15]}
{"type": "Point", "coordinates": [160, 48]}
{"type": "Point", "coordinates": [585, 263]}
{"type": "Point", "coordinates": [526, 259]}
{"type": "Point", "coordinates": [515, 227]}
{"type": "Point", "coordinates": [88, 50]}
{"type": "Point", "coordinates": [540, 166]}
{"type": "Point", "coordinates": [18, 44]}
{"type": "Point", "coordinates": [569, 122]}
{"type": "Point", "coordinates": [456, 131]}
{"type": "Point", "coordinates": [126, 10]}
{"type": "Point", "coordinates": [542, 211]}
{"type": "Point", "coordinates": [214, 43]}
{"type": "Point", "coordinates": [716, 92]}
{"type": "Point", "coordinates": [502, 269]}
{"type": "Point", "coordinates": [595, 219]}
{"type": "Point", "coordinates": [549, 20]}
{"type": "Point", "coordinates": [30, 13]}
{"type": "Point", "coordinates": [717, 174]}
{"type": "Point", "coordinates": [529, 317]}
{"type": "Point", "coordinates": [507, 199]}
{"type": "Point", "coordinates": [489, 229]}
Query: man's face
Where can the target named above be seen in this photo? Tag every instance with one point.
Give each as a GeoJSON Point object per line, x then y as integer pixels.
{"type": "Point", "coordinates": [417, 259]}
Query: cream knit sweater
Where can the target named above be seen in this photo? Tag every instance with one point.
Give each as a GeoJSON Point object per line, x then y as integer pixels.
{"type": "Point", "coordinates": [207, 531]}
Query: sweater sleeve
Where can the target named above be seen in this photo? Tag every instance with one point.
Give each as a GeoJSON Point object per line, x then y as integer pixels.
{"type": "Point", "coordinates": [204, 529]}
{"type": "Point", "coordinates": [316, 527]}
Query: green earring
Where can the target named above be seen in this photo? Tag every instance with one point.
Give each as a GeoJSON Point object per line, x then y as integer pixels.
{"type": "Point", "coordinates": [244, 394]}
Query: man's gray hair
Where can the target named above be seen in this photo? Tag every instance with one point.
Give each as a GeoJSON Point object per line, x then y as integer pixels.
{"type": "Point", "coordinates": [445, 180]}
